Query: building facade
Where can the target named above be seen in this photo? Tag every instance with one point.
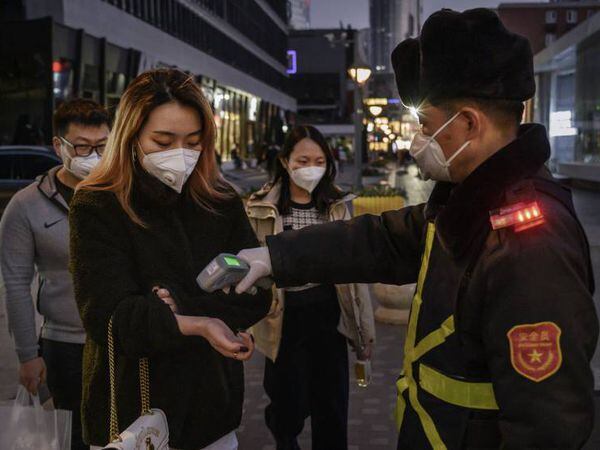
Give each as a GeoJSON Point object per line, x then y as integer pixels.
{"type": "Point", "coordinates": [381, 18]}
{"type": "Point", "coordinates": [568, 100]}
{"type": "Point", "coordinates": [321, 84]}
{"type": "Point", "coordinates": [391, 22]}
{"type": "Point", "coordinates": [544, 23]}
{"type": "Point", "coordinates": [299, 14]}
{"type": "Point", "coordinates": [236, 49]}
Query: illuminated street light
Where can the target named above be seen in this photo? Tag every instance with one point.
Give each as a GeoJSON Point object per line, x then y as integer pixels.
{"type": "Point", "coordinates": [375, 110]}
{"type": "Point", "coordinates": [360, 73]}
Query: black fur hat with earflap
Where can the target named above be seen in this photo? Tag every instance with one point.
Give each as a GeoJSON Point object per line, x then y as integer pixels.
{"type": "Point", "coordinates": [464, 55]}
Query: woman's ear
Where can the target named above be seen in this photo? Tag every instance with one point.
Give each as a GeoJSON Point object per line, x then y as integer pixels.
{"type": "Point", "coordinates": [135, 149]}
{"type": "Point", "coordinates": [284, 163]}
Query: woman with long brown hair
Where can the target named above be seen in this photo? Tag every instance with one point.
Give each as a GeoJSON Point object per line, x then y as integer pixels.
{"type": "Point", "coordinates": [145, 222]}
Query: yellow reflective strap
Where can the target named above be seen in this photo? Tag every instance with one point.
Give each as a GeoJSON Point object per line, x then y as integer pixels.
{"type": "Point", "coordinates": [457, 392]}
{"type": "Point", "coordinates": [434, 338]}
{"type": "Point", "coordinates": [426, 256]}
{"type": "Point", "coordinates": [401, 386]}
{"type": "Point", "coordinates": [426, 422]}
{"type": "Point", "coordinates": [411, 334]}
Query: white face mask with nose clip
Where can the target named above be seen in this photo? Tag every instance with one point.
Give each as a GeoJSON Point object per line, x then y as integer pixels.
{"type": "Point", "coordinates": [307, 178]}
{"type": "Point", "coordinates": [173, 167]}
{"type": "Point", "coordinates": [78, 166]}
{"type": "Point", "coordinates": [429, 155]}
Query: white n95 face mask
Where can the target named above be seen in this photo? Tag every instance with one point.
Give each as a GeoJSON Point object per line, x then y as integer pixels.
{"type": "Point", "coordinates": [307, 177]}
{"type": "Point", "coordinates": [79, 166]}
{"type": "Point", "coordinates": [172, 167]}
{"type": "Point", "coordinates": [429, 155]}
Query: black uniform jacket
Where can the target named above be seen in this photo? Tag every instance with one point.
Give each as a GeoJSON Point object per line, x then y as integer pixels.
{"type": "Point", "coordinates": [115, 264]}
{"type": "Point", "coordinates": [498, 284]}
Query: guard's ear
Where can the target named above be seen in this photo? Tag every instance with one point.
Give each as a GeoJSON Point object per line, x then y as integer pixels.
{"type": "Point", "coordinates": [472, 122]}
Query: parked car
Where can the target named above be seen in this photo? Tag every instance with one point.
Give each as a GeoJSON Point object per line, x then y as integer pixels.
{"type": "Point", "coordinates": [20, 165]}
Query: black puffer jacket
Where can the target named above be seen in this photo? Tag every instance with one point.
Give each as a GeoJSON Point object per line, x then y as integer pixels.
{"type": "Point", "coordinates": [115, 263]}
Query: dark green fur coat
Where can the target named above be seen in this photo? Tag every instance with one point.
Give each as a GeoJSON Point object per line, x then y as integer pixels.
{"type": "Point", "coordinates": [115, 263]}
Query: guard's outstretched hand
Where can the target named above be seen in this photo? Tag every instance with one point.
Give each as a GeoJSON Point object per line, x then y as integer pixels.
{"type": "Point", "coordinates": [259, 261]}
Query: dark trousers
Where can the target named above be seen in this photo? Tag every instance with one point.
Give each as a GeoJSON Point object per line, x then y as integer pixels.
{"type": "Point", "coordinates": [309, 378]}
{"type": "Point", "coordinates": [63, 362]}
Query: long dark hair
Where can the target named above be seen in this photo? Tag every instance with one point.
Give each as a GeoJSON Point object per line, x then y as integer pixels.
{"type": "Point", "coordinates": [326, 191]}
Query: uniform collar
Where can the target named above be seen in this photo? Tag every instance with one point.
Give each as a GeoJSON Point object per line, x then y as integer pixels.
{"type": "Point", "coordinates": [461, 211]}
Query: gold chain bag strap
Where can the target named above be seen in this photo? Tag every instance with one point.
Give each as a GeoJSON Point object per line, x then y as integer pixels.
{"type": "Point", "coordinates": [150, 431]}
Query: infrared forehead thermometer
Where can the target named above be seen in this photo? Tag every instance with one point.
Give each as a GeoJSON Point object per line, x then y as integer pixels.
{"type": "Point", "coordinates": [227, 270]}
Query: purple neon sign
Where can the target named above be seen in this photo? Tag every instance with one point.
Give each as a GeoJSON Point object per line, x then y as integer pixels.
{"type": "Point", "coordinates": [292, 62]}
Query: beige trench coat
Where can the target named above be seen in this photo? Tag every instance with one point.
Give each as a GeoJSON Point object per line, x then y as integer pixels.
{"type": "Point", "coordinates": [356, 318]}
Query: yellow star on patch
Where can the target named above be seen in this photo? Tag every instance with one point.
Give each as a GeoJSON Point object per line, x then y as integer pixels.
{"type": "Point", "coordinates": [535, 356]}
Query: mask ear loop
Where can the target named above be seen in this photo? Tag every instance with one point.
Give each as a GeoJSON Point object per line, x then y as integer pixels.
{"type": "Point", "coordinates": [456, 153]}
{"type": "Point", "coordinates": [439, 130]}
{"type": "Point", "coordinates": [432, 137]}
{"type": "Point", "coordinates": [447, 163]}
{"type": "Point", "coordinates": [65, 153]}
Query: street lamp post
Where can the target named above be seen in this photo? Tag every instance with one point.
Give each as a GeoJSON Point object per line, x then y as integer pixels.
{"type": "Point", "coordinates": [360, 73]}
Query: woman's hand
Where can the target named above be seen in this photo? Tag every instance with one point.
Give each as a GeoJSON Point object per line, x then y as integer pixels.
{"type": "Point", "coordinates": [218, 335]}
{"type": "Point", "coordinates": [366, 352]}
{"type": "Point", "coordinates": [165, 296]}
{"type": "Point", "coordinates": [215, 331]}
{"type": "Point", "coordinates": [223, 340]}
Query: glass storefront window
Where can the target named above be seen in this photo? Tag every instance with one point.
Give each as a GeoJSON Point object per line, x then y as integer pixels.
{"type": "Point", "coordinates": [253, 108]}
{"type": "Point", "coordinates": [91, 82]}
{"type": "Point", "coordinates": [62, 79]}
{"type": "Point", "coordinates": [24, 76]}
{"type": "Point", "coordinates": [218, 99]}
{"type": "Point", "coordinates": [115, 85]}
{"type": "Point", "coordinates": [568, 102]}
{"type": "Point", "coordinates": [587, 112]}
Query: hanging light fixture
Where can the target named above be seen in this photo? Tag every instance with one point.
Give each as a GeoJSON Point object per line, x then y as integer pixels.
{"type": "Point", "coordinates": [360, 72]}
{"type": "Point", "coordinates": [375, 110]}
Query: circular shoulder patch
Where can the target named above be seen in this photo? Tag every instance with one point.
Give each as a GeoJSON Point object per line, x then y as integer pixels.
{"type": "Point", "coordinates": [535, 350]}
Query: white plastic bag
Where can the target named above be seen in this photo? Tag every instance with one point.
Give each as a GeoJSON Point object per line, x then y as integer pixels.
{"type": "Point", "coordinates": [27, 426]}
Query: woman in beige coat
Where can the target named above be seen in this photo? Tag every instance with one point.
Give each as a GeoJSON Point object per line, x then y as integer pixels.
{"type": "Point", "coordinates": [306, 369]}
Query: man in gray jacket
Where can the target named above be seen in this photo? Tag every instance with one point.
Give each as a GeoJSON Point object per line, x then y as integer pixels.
{"type": "Point", "coordinates": [34, 241]}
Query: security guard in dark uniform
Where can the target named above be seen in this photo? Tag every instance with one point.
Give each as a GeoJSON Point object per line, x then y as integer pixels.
{"type": "Point", "coordinates": [502, 325]}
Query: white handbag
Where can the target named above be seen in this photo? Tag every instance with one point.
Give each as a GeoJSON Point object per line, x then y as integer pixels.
{"type": "Point", "coordinates": [150, 431]}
